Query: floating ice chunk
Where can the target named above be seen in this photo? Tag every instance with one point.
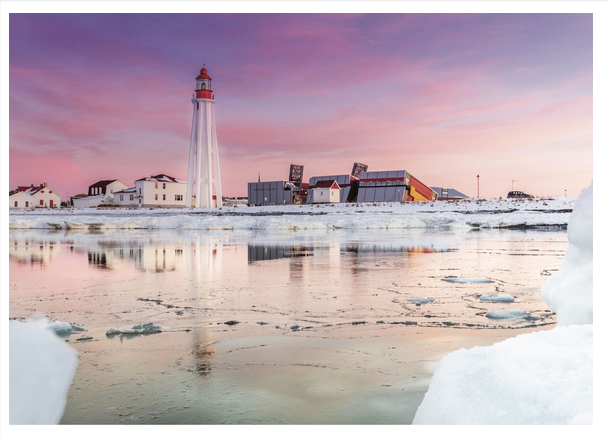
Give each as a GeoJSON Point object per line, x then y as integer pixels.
{"type": "Point", "coordinates": [421, 300]}
{"type": "Point", "coordinates": [508, 314]}
{"type": "Point", "coordinates": [146, 328]}
{"type": "Point", "coordinates": [41, 368]}
{"type": "Point", "coordinates": [60, 328]}
{"type": "Point", "coordinates": [467, 280]}
{"type": "Point", "coordinates": [496, 298]}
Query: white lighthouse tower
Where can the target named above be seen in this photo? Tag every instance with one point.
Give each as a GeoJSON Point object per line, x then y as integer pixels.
{"type": "Point", "coordinates": [204, 186]}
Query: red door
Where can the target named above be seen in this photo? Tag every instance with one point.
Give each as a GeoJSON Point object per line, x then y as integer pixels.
{"type": "Point", "coordinates": [41, 202]}
{"type": "Point", "coordinates": [51, 203]}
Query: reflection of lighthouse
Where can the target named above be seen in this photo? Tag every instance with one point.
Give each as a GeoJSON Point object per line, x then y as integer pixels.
{"type": "Point", "coordinates": [204, 188]}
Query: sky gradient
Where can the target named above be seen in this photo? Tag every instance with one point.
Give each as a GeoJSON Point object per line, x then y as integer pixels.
{"type": "Point", "coordinates": [444, 96]}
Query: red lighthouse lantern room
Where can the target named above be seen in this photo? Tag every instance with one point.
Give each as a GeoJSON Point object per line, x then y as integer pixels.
{"type": "Point", "coordinates": [203, 85]}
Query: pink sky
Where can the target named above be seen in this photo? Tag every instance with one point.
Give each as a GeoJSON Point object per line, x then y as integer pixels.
{"type": "Point", "coordinates": [444, 96]}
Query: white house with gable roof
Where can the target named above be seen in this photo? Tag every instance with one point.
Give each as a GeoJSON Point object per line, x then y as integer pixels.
{"type": "Point", "coordinates": [41, 196]}
{"type": "Point", "coordinates": [160, 191]}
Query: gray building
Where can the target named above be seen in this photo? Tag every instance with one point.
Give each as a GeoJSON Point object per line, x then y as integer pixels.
{"type": "Point", "coordinates": [271, 193]}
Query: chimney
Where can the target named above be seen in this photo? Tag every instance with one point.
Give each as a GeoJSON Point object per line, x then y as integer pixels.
{"type": "Point", "coordinates": [32, 186]}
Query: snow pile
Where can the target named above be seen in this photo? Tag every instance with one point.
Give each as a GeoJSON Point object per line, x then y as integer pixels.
{"type": "Point", "coordinates": [538, 378]}
{"type": "Point", "coordinates": [41, 368]}
{"type": "Point", "coordinates": [146, 328]}
{"type": "Point", "coordinates": [569, 292]}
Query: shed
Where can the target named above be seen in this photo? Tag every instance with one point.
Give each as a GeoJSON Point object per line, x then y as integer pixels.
{"type": "Point", "coordinates": [324, 192]}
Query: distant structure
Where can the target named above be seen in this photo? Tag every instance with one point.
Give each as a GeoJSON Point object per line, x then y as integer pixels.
{"type": "Point", "coordinates": [292, 191]}
{"type": "Point", "coordinates": [445, 193]}
{"type": "Point", "coordinates": [99, 193]}
{"type": "Point", "coordinates": [393, 186]}
{"type": "Point", "coordinates": [204, 188]}
{"type": "Point", "coordinates": [358, 168]}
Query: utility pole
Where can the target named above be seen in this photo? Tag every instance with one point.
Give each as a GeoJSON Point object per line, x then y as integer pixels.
{"type": "Point", "coordinates": [478, 186]}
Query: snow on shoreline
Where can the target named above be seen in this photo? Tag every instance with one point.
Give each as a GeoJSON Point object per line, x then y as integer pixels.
{"type": "Point", "coordinates": [538, 378]}
{"type": "Point", "coordinates": [511, 213]}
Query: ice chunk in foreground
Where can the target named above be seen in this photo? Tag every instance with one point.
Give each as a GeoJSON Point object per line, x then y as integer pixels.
{"type": "Point", "coordinates": [569, 292]}
{"type": "Point", "coordinates": [539, 378]}
{"type": "Point", "coordinates": [507, 314]}
{"type": "Point", "coordinates": [496, 298]}
{"type": "Point", "coordinates": [41, 368]}
{"type": "Point", "coordinates": [467, 280]}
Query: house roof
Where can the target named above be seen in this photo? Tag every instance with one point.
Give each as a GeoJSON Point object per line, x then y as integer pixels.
{"type": "Point", "coordinates": [327, 184]}
{"type": "Point", "coordinates": [128, 190]}
{"type": "Point", "coordinates": [32, 189]}
{"type": "Point", "coordinates": [161, 178]}
{"type": "Point", "coordinates": [451, 193]}
{"type": "Point", "coordinates": [104, 183]}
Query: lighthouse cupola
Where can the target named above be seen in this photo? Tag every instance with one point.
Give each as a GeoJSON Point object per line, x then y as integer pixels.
{"type": "Point", "coordinates": [203, 85]}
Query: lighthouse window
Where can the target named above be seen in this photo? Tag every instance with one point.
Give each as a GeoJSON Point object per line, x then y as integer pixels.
{"type": "Point", "coordinates": [164, 186]}
{"type": "Point", "coordinates": [164, 197]}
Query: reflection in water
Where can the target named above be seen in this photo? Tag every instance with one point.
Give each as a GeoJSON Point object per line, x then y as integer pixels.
{"type": "Point", "coordinates": [266, 252]}
{"type": "Point", "coordinates": [33, 251]}
{"type": "Point", "coordinates": [203, 350]}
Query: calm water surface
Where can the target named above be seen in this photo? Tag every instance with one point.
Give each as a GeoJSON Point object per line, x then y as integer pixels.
{"type": "Point", "coordinates": [326, 330]}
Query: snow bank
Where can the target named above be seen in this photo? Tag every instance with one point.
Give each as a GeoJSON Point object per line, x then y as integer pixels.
{"type": "Point", "coordinates": [41, 368]}
{"type": "Point", "coordinates": [569, 292]}
{"type": "Point", "coordinates": [538, 378]}
{"type": "Point", "coordinates": [454, 215]}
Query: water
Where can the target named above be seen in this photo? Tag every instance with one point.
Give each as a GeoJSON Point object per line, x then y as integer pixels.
{"type": "Point", "coordinates": [326, 332]}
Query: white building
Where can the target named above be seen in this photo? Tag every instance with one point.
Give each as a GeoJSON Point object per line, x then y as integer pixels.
{"type": "Point", "coordinates": [100, 193]}
{"type": "Point", "coordinates": [324, 192]}
{"type": "Point", "coordinates": [128, 197]}
{"type": "Point", "coordinates": [161, 191]}
{"type": "Point", "coordinates": [21, 199]}
{"type": "Point", "coordinates": [42, 195]}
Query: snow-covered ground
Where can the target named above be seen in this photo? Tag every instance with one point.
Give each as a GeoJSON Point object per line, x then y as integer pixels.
{"type": "Point", "coordinates": [465, 214]}
{"type": "Point", "coordinates": [538, 378]}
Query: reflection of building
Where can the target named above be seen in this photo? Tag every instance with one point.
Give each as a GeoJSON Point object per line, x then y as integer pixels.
{"type": "Point", "coordinates": [158, 257]}
{"type": "Point", "coordinates": [33, 251]}
{"type": "Point", "coordinates": [266, 253]}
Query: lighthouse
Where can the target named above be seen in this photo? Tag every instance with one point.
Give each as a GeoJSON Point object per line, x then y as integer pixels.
{"type": "Point", "coordinates": [204, 185]}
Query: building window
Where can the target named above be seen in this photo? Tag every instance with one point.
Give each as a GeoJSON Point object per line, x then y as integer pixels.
{"type": "Point", "coordinates": [179, 198]}
{"type": "Point", "coordinates": [16, 204]}
{"type": "Point", "coordinates": [140, 191]}
{"type": "Point", "coordinates": [155, 184]}
{"type": "Point", "coordinates": [121, 198]}
{"type": "Point", "coordinates": [112, 190]}
{"type": "Point", "coordinates": [164, 197]}
{"type": "Point", "coordinates": [139, 200]}
{"type": "Point", "coordinates": [156, 197]}
{"type": "Point", "coordinates": [131, 197]}
{"type": "Point", "coordinates": [27, 203]}
{"type": "Point", "coordinates": [164, 186]}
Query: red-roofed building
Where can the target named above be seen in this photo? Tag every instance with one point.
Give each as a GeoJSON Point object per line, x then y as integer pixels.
{"type": "Point", "coordinates": [34, 196]}
{"type": "Point", "coordinates": [324, 192]}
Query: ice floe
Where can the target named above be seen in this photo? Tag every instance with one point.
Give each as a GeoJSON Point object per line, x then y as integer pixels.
{"type": "Point", "coordinates": [496, 298]}
{"type": "Point", "coordinates": [147, 328]}
{"type": "Point", "coordinates": [508, 314]}
{"type": "Point", "coordinates": [467, 280]}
